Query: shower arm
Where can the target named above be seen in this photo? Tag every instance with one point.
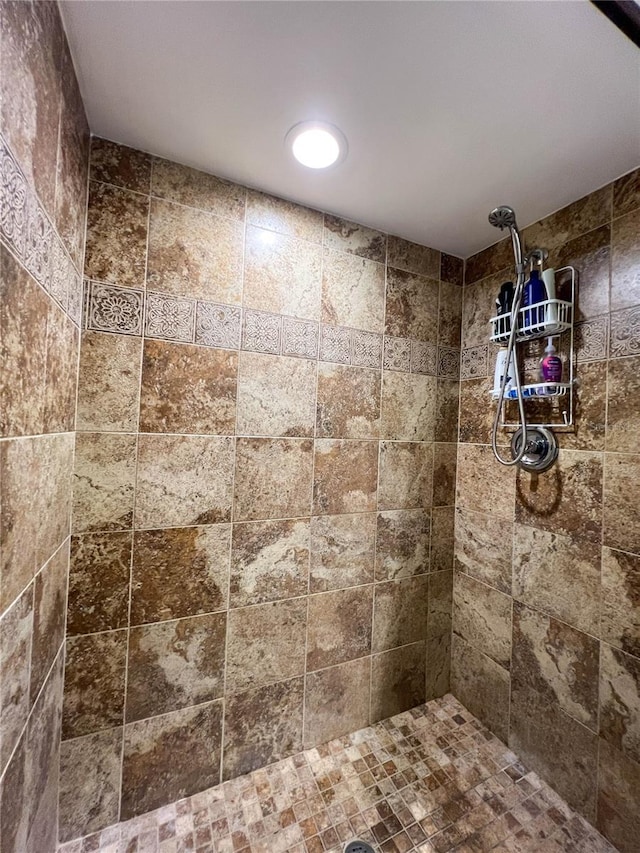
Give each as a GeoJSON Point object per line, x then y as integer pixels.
{"type": "Point", "coordinates": [520, 265]}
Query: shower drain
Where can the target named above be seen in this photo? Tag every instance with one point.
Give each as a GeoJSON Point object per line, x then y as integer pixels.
{"type": "Point", "coordinates": [358, 847]}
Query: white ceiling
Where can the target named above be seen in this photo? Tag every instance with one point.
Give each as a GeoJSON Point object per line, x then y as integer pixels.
{"type": "Point", "coordinates": [450, 108]}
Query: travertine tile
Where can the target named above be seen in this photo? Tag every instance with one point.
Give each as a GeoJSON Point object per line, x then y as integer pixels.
{"type": "Point", "coordinates": [99, 571]}
{"type": "Point", "coordinates": [438, 666]}
{"type": "Point", "coordinates": [109, 382]}
{"type": "Point", "coordinates": [16, 632]}
{"type": "Point", "coordinates": [104, 473]}
{"type": "Point", "coordinates": [621, 522]}
{"type": "Point", "coordinates": [188, 389]}
{"type": "Point", "coordinates": [23, 319]}
{"type": "Point", "coordinates": [483, 548]}
{"type": "Point", "coordinates": [194, 253]}
{"type": "Point", "coordinates": [449, 315]}
{"type": "Point", "coordinates": [285, 217]}
{"type": "Point", "coordinates": [590, 254]}
{"type": "Point", "coordinates": [497, 257]}
{"type": "Point", "coordinates": [620, 605]}
{"type": "Point", "coordinates": [172, 665]}
{"type": "Point", "coordinates": [557, 747]}
{"type": "Point", "coordinates": [556, 663]}
{"type": "Point", "coordinates": [262, 726]}
{"type": "Point", "coordinates": [269, 561]}
{"type": "Point", "coordinates": [411, 306]}
{"type": "Point", "coordinates": [576, 218]}
{"type": "Point", "coordinates": [183, 480]}
{"type": "Point", "coordinates": [626, 193]}
{"type": "Point", "coordinates": [252, 662]}
{"type": "Point", "coordinates": [406, 475]}
{"type": "Point", "coordinates": [447, 402]}
{"type": "Point", "coordinates": [345, 476]}
{"type": "Point", "coordinates": [402, 543]}
{"type": "Point", "coordinates": [352, 291]}
{"type": "Point", "coordinates": [618, 807]}
{"type": "Point", "coordinates": [439, 611]}
{"type": "Point", "coordinates": [116, 164]}
{"type": "Point", "coordinates": [337, 701]}
{"type": "Point", "coordinates": [49, 610]}
{"type": "Point", "coordinates": [625, 261]}
{"type": "Point", "coordinates": [397, 680]}
{"type": "Point", "coordinates": [339, 626]}
{"type": "Point", "coordinates": [354, 238]}
{"type": "Point", "coordinates": [89, 783]}
{"type": "Point", "coordinates": [170, 757]}
{"type": "Point", "coordinates": [342, 551]}
{"type": "Point", "coordinates": [116, 246]}
{"type": "Point", "coordinates": [620, 700]}
{"type": "Point", "coordinates": [175, 182]}
{"type": "Point", "coordinates": [477, 411]}
{"type": "Point", "coordinates": [272, 478]}
{"type": "Point", "coordinates": [62, 372]}
{"type": "Point", "coordinates": [451, 269]}
{"type": "Point", "coordinates": [404, 255]}
{"type": "Point", "coordinates": [408, 406]}
{"type": "Point", "coordinates": [565, 499]}
{"type": "Point", "coordinates": [483, 485]}
{"type": "Point", "coordinates": [623, 392]}
{"type": "Point", "coordinates": [276, 395]}
{"type": "Point", "coordinates": [94, 683]}
{"type": "Point", "coordinates": [478, 306]}
{"type": "Point", "coordinates": [482, 617]}
{"type": "Point", "coordinates": [400, 612]}
{"type": "Point", "coordinates": [557, 574]}
{"type": "Point", "coordinates": [348, 402]}
{"type": "Point", "coordinates": [179, 572]}
{"type": "Point", "coordinates": [442, 538]}
{"type": "Point", "coordinates": [444, 474]}
{"type": "Point", "coordinates": [282, 274]}
{"type": "Point", "coordinates": [482, 684]}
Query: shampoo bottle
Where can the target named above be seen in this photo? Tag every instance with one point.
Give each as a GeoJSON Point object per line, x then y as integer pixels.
{"type": "Point", "coordinates": [549, 281]}
{"type": "Point", "coordinates": [533, 294]}
{"type": "Point", "coordinates": [551, 364]}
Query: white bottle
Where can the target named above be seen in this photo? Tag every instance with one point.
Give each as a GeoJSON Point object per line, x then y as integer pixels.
{"type": "Point", "coordinates": [501, 365]}
{"type": "Point", "coordinates": [549, 281]}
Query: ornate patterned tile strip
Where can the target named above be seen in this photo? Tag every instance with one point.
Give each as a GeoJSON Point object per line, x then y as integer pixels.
{"type": "Point", "coordinates": [218, 325]}
{"type": "Point", "coordinates": [366, 349]}
{"type": "Point", "coordinates": [424, 358]}
{"type": "Point", "coordinates": [624, 335]}
{"type": "Point", "coordinates": [113, 309]}
{"type": "Point", "coordinates": [261, 332]}
{"type": "Point", "coordinates": [335, 344]}
{"type": "Point", "coordinates": [474, 362]}
{"type": "Point", "coordinates": [448, 363]}
{"type": "Point", "coordinates": [397, 354]}
{"type": "Point", "coordinates": [591, 339]}
{"type": "Point", "coordinates": [27, 230]}
{"type": "Point", "coordinates": [299, 337]}
{"type": "Point", "coordinates": [169, 317]}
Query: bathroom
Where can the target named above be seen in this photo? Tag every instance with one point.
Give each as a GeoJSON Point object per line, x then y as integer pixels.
{"type": "Point", "coordinates": [264, 583]}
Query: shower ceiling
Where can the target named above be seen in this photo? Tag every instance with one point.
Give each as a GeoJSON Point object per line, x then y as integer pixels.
{"type": "Point", "coordinates": [449, 108]}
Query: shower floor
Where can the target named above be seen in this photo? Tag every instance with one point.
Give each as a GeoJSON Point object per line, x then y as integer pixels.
{"type": "Point", "coordinates": [430, 779]}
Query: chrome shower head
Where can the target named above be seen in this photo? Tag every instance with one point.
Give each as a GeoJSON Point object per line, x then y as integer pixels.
{"type": "Point", "coordinates": [503, 217]}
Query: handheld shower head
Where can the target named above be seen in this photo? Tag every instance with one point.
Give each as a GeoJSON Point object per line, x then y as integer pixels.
{"type": "Point", "coordinates": [503, 217]}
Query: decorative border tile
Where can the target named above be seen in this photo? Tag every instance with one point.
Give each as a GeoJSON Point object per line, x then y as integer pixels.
{"type": "Point", "coordinates": [261, 332]}
{"type": "Point", "coordinates": [591, 338]}
{"type": "Point", "coordinates": [366, 349]}
{"type": "Point", "coordinates": [448, 363]}
{"type": "Point", "coordinates": [169, 317]}
{"type": "Point", "coordinates": [14, 195]}
{"type": "Point", "coordinates": [26, 228]}
{"type": "Point", "coordinates": [218, 325]}
{"type": "Point", "coordinates": [397, 354]}
{"type": "Point", "coordinates": [299, 337]}
{"type": "Point", "coordinates": [113, 309]}
{"type": "Point", "coordinates": [424, 358]}
{"type": "Point", "coordinates": [335, 344]}
{"type": "Point", "coordinates": [625, 333]}
{"type": "Point", "coordinates": [474, 364]}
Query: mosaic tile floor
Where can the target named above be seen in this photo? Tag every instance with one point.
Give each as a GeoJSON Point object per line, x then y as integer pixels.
{"type": "Point", "coordinates": [431, 779]}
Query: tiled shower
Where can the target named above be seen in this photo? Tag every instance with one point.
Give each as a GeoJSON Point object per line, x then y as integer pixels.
{"type": "Point", "coordinates": [247, 499]}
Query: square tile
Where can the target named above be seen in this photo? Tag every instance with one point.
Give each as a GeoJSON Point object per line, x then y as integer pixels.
{"type": "Point", "coordinates": [261, 332]}
{"type": "Point", "coordinates": [411, 307]}
{"type": "Point", "coordinates": [345, 476]}
{"type": "Point", "coordinates": [400, 612]}
{"type": "Point", "coordinates": [406, 475]}
{"type": "Point", "coordinates": [342, 550]}
{"type": "Point", "coordinates": [352, 291]}
{"type": "Point", "coordinates": [273, 478]}
{"type": "Point", "coordinates": [366, 349]}
{"type": "Point", "coordinates": [99, 570]}
{"type": "Point", "coordinates": [299, 338]}
{"type": "Point", "coordinates": [335, 344]}
{"type": "Point", "coordinates": [191, 187]}
{"type": "Point", "coordinates": [402, 544]}
{"type": "Point", "coordinates": [339, 626]}
{"type": "Point", "coordinates": [218, 325]}
{"type": "Point", "coordinates": [424, 358]}
{"type": "Point", "coordinates": [119, 165]}
{"type": "Point", "coordinates": [397, 354]}
{"type": "Point", "coordinates": [104, 474]}
{"type": "Point", "coordinates": [166, 317]}
{"type": "Point", "coordinates": [337, 701]}
{"type": "Point", "coordinates": [109, 382]}
{"type": "Point", "coordinates": [114, 309]}
{"type": "Point", "coordinates": [183, 480]}
{"type": "Point", "coordinates": [397, 680]}
{"type": "Point", "coordinates": [408, 406]}
{"type": "Point", "coordinates": [348, 402]}
{"type": "Point", "coordinates": [354, 238]}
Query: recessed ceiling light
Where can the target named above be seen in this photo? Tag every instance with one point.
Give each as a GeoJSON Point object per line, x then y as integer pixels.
{"type": "Point", "coordinates": [317, 144]}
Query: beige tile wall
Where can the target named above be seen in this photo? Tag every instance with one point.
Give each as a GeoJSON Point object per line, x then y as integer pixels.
{"type": "Point", "coordinates": [262, 540]}
{"type": "Point", "coordinates": [546, 613]}
{"type": "Point", "coordinates": [44, 155]}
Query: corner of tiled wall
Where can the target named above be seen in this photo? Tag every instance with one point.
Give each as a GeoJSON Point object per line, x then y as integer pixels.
{"type": "Point", "coordinates": [262, 539]}
{"type": "Point", "coordinates": [44, 150]}
{"type": "Point", "coordinates": [546, 643]}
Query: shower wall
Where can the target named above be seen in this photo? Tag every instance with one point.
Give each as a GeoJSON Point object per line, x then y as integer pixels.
{"type": "Point", "coordinates": [44, 150]}
{"type": "Point", "coordinates": [546, 641]}
{"type": "Point", "coordinates": [265, 465]}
